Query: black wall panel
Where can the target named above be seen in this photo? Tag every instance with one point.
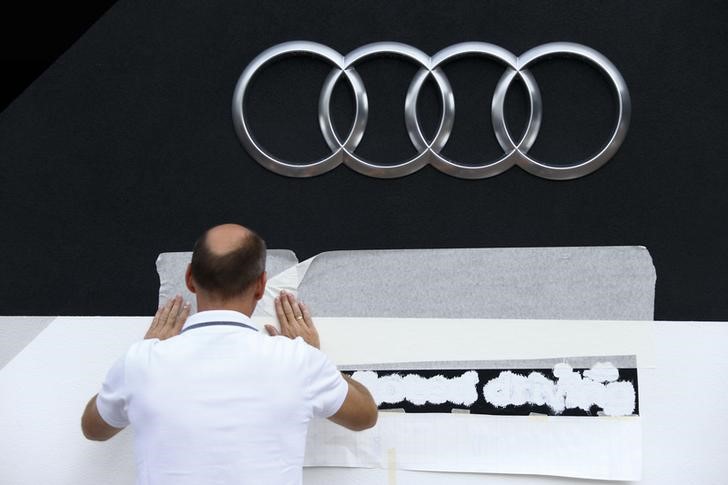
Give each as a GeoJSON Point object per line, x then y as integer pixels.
{"type": "Point", "coordinates": [125, 147]}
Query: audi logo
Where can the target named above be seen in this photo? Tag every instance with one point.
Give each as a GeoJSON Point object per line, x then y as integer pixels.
{"type": "Point", "coordinates": [430, 152]}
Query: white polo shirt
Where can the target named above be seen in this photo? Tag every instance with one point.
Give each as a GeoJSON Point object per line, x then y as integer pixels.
{"type": "Point", "coordinates": [221, 403]}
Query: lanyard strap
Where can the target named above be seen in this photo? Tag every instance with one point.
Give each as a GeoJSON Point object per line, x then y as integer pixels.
{"type": "Point", "coordinates": [208, 324]}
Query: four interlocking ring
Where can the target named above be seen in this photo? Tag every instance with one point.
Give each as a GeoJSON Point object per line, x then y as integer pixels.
{"type": "Point", "coordinates": [429, 152]}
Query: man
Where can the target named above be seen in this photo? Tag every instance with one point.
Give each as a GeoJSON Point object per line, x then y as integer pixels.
{"type": "Point", "coordinates": [212, 400]}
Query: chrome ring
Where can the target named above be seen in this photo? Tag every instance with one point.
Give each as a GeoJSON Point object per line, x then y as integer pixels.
{"type": "Point", "coordinates": [515, 152]}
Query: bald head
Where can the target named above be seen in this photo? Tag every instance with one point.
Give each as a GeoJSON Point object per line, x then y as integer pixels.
{"type": "Point", "coordinates": [226, 238]}
{"type": "Point", "coordinates": [227, 260]}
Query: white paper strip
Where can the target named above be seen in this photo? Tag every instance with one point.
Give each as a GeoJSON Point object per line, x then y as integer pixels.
{"type": "Point", "coordinates": [582, 447]}
{"type": "Point", "coordinates": [376, 340]}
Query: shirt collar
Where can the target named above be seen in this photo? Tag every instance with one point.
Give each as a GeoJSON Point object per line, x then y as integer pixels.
{"type": "Point", "coordinates": [219, 316]}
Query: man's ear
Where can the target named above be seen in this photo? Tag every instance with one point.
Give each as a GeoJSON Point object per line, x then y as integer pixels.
{"type": "Point", "coordinates": [260, 286]}
{"type": "Point", "coordinates": [188, 279]}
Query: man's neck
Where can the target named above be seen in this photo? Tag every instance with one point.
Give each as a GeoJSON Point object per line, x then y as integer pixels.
{"type": "Point", "coordinates": [244, 306]}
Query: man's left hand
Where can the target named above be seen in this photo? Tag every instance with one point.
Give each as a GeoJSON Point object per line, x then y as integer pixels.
{"type": "Point", "coordinates": [169, 319]}
{"type": "Point", "coordinates": [295, 320]}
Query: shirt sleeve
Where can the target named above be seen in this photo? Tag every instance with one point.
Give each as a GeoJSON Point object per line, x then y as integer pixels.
{"type": "Point", "coordinates": [114, 395]}
{"type": "Point", "coordinates": [326, 388]}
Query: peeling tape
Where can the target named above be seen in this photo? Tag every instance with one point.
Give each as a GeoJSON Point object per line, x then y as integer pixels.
{"type": "Point", "coordinates": [392, 466]}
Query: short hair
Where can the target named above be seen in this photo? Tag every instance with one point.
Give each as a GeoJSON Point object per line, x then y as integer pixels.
{"type": "Point", "coordinates": [231, 274]}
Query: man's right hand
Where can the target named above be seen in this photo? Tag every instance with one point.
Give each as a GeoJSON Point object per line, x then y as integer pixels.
{"type": "Point", "coordinates": [358, 411]}
{"type": "Point", "coordinates": [295, 320]}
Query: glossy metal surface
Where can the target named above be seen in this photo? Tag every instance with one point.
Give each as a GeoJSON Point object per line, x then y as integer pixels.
{"type": "Point", "coordinates": [429, 152]}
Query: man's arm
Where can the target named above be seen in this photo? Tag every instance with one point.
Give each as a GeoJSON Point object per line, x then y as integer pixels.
{"type": "Point", "coordinates": [93, 425]}
{"type": "Point", "coordinates": [358, 411]}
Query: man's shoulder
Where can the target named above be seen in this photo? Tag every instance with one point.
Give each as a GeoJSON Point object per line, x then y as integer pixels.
{"type": "Point", "coordinates": [295, 349]}
{"type": "Point", "coordinates": [292, 345]}
{"type": "Point", "coordinates": [139, 351]}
